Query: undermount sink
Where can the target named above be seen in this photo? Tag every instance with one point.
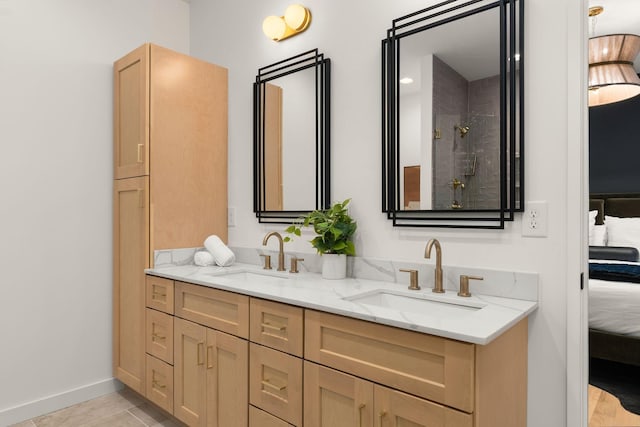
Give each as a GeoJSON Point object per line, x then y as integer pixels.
{"type": "Point", "coordinates": [415, 303]}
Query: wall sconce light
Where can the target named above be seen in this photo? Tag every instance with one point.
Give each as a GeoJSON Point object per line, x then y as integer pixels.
{"type": "Point", "coordinates": [296, 19]}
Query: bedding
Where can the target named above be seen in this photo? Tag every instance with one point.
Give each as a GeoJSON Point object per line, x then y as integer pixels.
{"type": "Point", "coordinates": [614, 307]}
{"type": "Point", "coordinates": [614, 304]}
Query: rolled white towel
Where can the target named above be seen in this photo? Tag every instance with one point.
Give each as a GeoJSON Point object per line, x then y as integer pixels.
{"type": "Point", "coordinates": [223, 256]}
{"type": "Point", "coordinates": [203, 258]}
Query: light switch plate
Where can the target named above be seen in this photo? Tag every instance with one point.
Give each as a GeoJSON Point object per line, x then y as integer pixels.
{"type": "Point", "coordinates": [535, 219]}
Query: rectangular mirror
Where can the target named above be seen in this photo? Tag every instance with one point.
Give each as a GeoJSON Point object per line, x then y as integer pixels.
{"type": "Point", "coordinates": [291, 137]}
{"type": "Point", "coordinates": [452, 116]}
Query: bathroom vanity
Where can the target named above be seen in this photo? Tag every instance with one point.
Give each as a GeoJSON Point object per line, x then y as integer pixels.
{"type": "Point", "coordinates": [241, 346]}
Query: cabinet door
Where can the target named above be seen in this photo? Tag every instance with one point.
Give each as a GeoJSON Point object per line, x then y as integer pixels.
{"type": "Point", "coordinates": [189, 372]}
{"type": "Point", "coordinates": [130, 258]}
{"type": "Point", "coordinates": [395, 409]}
{"type": "Point", "coordinates": [227, 380]}
{"type": "Point", "coordinates": [131, 114]}
{"type": "Point", "coordinates": [336, 399]}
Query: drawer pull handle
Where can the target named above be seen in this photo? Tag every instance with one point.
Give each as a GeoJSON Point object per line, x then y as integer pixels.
{"type": "Point", "coordinates": [382, 415]}
{"type": "Point", "coordinates": [200, 353]}
{"type": "Point", "coordinates": [159, 294]}
{"type": "Point", "coordinates": [209, 357]}
{"type": "Point", "coordinates": [360, 408]}
{"type": "Point", "coordinates": [158, 336]}
{"type": "Point", "coordinates": [140, 152]}
{"type": "Point", "coordinates": [274, 327]}
{"type": "Point", "coordinates": [156, 384]}
{"type": "Point", "coordinates": [270, 385]}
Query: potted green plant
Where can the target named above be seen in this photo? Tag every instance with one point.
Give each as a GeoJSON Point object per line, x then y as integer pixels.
{"type": "Point", "coordinates": [334, 230]}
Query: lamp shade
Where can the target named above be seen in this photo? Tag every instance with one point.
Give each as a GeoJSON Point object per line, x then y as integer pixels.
{"type": "Point", "coordinates": [612, 77]}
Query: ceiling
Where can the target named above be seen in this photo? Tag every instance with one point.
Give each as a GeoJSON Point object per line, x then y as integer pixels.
{"type": "Point", "coordinates": [619, 17]}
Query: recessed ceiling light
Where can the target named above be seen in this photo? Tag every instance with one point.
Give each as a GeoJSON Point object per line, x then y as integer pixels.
{"type": "Point", "coordinates": [406, 80]}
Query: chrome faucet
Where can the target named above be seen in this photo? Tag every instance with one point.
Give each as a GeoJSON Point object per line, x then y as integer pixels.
{"type": "Point", "coordinates": [281, 248]}
{"type": "Point", "coordinates": [437, 287]}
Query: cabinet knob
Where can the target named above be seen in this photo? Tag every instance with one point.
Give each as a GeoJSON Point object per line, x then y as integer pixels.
{"type": "Point", "coordinates": [464, 285]}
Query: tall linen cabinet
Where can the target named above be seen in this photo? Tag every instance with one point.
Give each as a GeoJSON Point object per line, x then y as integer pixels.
{"type": "Point", "coordinates": [170, 179]}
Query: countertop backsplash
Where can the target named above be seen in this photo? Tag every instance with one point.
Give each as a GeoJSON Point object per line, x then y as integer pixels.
{"type": "Point", "coordinates": [501, 283]}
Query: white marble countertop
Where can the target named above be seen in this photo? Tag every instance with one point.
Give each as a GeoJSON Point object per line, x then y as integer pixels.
{"type": "Point", "coordinates": [309, 290]}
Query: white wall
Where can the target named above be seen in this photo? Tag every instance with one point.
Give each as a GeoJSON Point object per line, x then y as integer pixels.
{"type": "Point", "coordinates": [55, 187]}
{"type": "Point", "coordinates": [229, 33]}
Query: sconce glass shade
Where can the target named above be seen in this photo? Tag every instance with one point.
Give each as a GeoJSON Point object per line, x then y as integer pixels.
{"type": "Point", "coordinates": [612, 77]}
{"type": "Point", "coordinates": [297, 17]}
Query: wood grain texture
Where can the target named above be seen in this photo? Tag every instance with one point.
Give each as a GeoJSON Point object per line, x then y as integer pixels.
{"type": "Point", "coordinates": [276, 325]}
{"type": "Point", "coordinates": [227, 364]}
{"type": "Point", "coordinates": [275, 383]}
{"type": "Point", "coordinates": [159, 335]}
{"type": "Point", "coordinates": [159, 294]}
{"type": "Point", "coordinates": [605, 410]}
{"type": "Point", "coordinates": [130, 247]}
{"type": "Point", "coordinates": [131, 114]}
{"type": "Point", "coordinates": [336, 399]}
{"type": "Point", "coordinates": [159, 383]}
{"type": "Point", "coordinates": [260, 418]}
{"type": "Point", "coordinates": [222, 310]}
{"type": "Point", "coordinates": [190, 398]}
{"type": "Point", "coordinates": [501, 370]}
{"type": "Point", "coordinates": [188, 154]}
{"type": "Point", "coordinates": [432, 367]}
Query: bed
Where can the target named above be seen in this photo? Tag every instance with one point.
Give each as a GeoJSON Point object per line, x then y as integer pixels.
{"type": "Point", "coordinates": [614, 278]}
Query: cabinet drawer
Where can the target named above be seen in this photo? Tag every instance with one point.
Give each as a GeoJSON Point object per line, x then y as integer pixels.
{"type": "Point", "coordinates": [277, 325]}
{"type": "Point", "coordinates": [160, 383]}
{"type": "Point", "coordinates": [159, 293]}
{"type": "Point", "coordinates": [259, 418]}
{"type": "Point", "coordinates": [275, 383]}
{"type": "Point", "coordinates": [432, 367]}
{"type": "Point", "coordinates": [394, 408]}
{"type": "Point", "coordinates": [159, 335]}
{"type": "Point", "coordinates": [221, 310]}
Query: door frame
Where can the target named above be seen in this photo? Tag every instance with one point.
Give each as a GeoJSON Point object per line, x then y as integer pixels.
{"type": "Point", "coordinates": [577, 362]}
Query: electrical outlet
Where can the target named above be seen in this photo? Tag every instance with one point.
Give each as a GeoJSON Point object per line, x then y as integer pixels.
{"type": "Point", "coordinates": [534, 219]}
{"type": "Point", "coordinates": [231, 217]}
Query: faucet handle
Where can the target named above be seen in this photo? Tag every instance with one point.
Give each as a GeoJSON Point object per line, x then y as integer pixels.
{"type": "Point", "coordinates": [464, 284]}
{"type": "Point", "coordinates": [267, 262]}
{"type": "Point", "coordinates": [413, 279]}
{"type": "Point", "coordinates": [294, 264]}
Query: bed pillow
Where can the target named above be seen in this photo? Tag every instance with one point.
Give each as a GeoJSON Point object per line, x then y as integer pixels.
{"type": "Point", "coordinates": [592, 224]}
{"type": "Point", "coordinates": [599, 235]}
{"type": "Point", "coordinates": [623, 231]}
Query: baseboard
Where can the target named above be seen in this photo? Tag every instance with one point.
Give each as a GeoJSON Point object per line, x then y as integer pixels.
{"type": "Point", "coordinates": [54, 402]}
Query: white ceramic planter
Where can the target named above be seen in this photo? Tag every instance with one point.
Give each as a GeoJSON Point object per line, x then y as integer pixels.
{"type": "Point", "coordinates": [334, 266]}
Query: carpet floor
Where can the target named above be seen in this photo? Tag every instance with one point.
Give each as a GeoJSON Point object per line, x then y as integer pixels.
{"type": "Point", "coordinates": [623, 381]}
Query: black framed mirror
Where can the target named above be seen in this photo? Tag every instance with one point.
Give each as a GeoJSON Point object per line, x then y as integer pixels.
{"type": "Point", "coordinates": [291, 110]}
{"type": "Point", "coordinates": [453, 134]}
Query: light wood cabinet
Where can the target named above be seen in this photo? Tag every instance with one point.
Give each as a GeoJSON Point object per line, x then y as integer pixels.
{"type": "Point", "coordinates": [276, 325]}
{"type": "Point", "coordinates": [159, 294]}
{"type": "Point", "coordinates": [159, 383]}
{"type": "Point", "coordinates": [260, 418]}
{"type": "Point", "coordinates": [130, 248]}
{"type": "Point", "coordinates": [159, 335]}
{"type": "Point", "coordinates": [452, 383]}
{"type": "Point", "coordinates": [336, 399]}
{"type": "Point", "coordinates": [170, 188]}
{"type": "Point", "coordinates": [210, 377]}
{"type": "Point", "coordinates": [275, 383]}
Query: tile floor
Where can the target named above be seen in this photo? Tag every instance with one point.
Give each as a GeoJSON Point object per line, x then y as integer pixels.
{"type": "Point", "coordinates": [124, 408]}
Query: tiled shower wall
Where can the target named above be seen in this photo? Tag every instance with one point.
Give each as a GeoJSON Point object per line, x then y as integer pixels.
{"type": "Point", "coordinates": [457, 101]}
